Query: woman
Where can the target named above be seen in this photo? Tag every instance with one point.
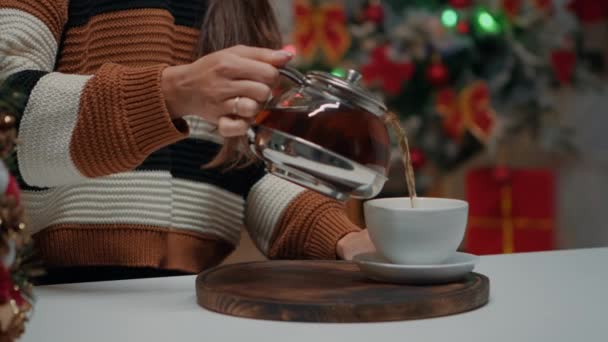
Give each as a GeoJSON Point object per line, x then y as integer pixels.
{"type": "Point", "coordinates": [118, 119]}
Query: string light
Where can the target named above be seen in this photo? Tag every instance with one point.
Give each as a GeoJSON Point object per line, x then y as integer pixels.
{"type": "Point", "coordinates": [339, 72]}
{"type": "Point", "coordinates": [449, 18]}
{"type": "Point", "coordinates": [487, 23]}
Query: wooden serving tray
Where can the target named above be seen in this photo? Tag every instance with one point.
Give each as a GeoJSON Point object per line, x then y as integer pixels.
{"type": "Point", "coordinates": [329, 291]}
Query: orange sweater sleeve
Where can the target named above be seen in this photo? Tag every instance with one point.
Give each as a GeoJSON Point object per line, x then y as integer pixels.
{"type": "Point", "coordinates": [122, 119]}
{"type": "Point", "coordinates": [75, 127]}
{"type": "Point", "coordinates": [310, 228]}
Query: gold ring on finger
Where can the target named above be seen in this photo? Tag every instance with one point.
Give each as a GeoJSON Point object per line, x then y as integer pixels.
{"type": "Point", "coordinates": [235, 107]}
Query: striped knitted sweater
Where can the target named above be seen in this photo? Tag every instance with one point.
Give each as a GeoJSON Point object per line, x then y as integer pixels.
{"type": "Point", "coordinates": [109, 179]}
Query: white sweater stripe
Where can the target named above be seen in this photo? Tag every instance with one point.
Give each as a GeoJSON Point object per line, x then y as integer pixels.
{"type": "Point", "coordinates": [208, 209]}
{"type": "Point", "coordinates": [265, 205]}
{"type": "Point", "coordinates": [46, 131]}
{"type": "Point", "coordinates": [27, 43]}
{"type": "Point", "coordinates": [142, 198]}
{"type": "Point", "coordinates": [139, 198]}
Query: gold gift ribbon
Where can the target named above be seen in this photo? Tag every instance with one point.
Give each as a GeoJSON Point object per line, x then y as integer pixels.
{"type": "Point", "coordinates": [507, 222]}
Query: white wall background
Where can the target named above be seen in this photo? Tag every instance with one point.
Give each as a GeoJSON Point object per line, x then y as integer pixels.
{"type": "Point", "coordinates": [583, 184]}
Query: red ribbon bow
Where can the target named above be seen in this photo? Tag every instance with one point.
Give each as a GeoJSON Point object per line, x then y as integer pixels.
{"type": "Point", "coordinates": [321, 27]}
{"type": "Point", "coordinates": [468, 111]}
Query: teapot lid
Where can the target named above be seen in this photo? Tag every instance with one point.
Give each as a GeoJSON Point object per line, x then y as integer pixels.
{"type": "Point", "coordinates": [348, 87]}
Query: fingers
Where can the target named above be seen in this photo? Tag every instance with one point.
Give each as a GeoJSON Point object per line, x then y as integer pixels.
{"type": "Point", "coordinates": [273, 57]}
{"type": "Point", "coordinates": [243, 111]}
{"type": "Point", "coordinates": [256, 91]}
{"type": "Point", "coordinates": [353, 244]}
{"type": "Point", "coordinates": [229, 127]}
{"type": "Point", "coordinates": [246, 73]}
{"type": "Point", "coordinates": [242, 106]}
{"type": "Point", "coordinates": [249, 69]}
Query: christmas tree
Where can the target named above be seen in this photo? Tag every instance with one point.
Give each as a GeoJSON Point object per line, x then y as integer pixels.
{"type": "Point", "coordinates": [464, 76]}
{"type": "Point", "coordinates": [17, 261]}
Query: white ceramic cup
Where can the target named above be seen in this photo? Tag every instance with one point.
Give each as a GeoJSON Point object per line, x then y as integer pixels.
{"type": "Point", "coordinates": [427, 234]}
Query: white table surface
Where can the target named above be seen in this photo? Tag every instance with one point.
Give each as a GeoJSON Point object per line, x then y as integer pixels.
{"type": "Point", "coordinates": [555, 296]}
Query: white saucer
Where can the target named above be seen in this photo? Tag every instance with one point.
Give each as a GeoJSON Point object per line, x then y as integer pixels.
{"type": "Point", "coordinates": [378, 268]}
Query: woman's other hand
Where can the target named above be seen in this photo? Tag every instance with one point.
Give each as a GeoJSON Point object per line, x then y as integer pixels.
{"type": "Point", "coordinates": [226, 88]}
{"type": "Point", "coordinates": [353, 244]}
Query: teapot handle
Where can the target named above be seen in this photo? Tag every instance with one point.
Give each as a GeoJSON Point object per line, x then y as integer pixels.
{"type": "Point", "coordinates": [294, 75]}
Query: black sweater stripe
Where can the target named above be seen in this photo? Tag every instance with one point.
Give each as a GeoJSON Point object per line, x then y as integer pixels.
{"type": "Point", "coordinates": [188, 13]}
{"type": "Point", "coordinates": [186, 158]}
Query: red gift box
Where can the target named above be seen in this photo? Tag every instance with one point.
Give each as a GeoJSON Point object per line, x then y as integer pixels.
{"type": "Point", "coordinates": [510, 210]}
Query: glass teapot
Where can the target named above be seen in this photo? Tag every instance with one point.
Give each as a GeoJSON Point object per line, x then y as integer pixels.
{"type": "Point", "coordinates": [325, 133]}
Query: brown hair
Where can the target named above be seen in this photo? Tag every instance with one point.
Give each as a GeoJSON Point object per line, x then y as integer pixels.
{"type": "Point", "coordinates": [233, 22]}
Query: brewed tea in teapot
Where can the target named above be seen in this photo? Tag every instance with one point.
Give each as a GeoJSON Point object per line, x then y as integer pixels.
{"type": "Point", "coordinates": [325, 133]}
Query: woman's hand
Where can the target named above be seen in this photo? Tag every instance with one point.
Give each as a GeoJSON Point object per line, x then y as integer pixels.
{"type": "Point", "coordinates": [353, 244]}
{"type": "Point", "coordinates": [210, 86]}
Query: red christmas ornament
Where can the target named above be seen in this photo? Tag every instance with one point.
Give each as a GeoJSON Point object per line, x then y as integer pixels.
{"type": "Point", "coordinates": [6, 284]}
{"type": "Point", "coordinates": [563, 62]}
{"type": "Point", "coordinates": [463, 27]}
{"type": "Point", "coordinates": [418, 158]}
{"type": "Point", "coordinates": [8, 290]}
{"type": "Point", "coordinates": [437, 74]}
{"type": "Point", "coordinates": [392, 75]}
{"type": "Point", "coordinates": [544, 5]}
{"type": "Point", "coordinates": [589, 11]}
{"type": "Point", "coordinates": [374, 12]}
{"type": "Point", "coordinates": [12, 189]}
{"type": "Point", "coordinates": [511, 7]}
{"type": "Point", "coordinates": [15, 294]}
{"type": "Point", "coordinates": [461, 3]}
